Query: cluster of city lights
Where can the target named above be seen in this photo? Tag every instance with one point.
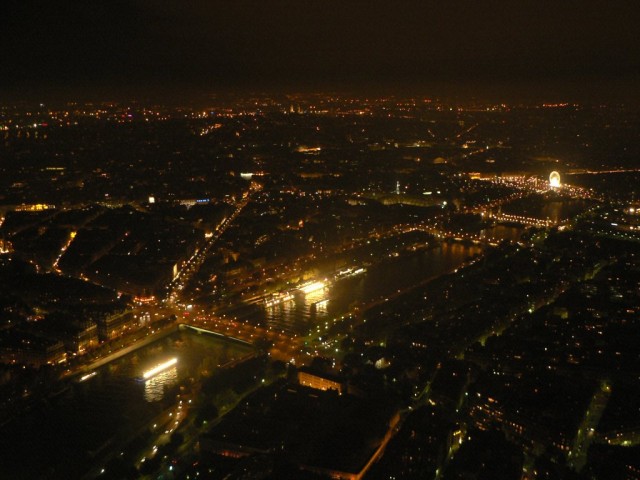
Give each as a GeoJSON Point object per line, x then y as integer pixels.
{"type": "Point", "coordinates": [285, 297]}
{"type": "Point", "coordinates": [312, 287]}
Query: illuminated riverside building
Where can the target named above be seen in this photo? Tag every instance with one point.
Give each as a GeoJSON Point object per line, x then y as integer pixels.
{"type": "Point", "coordinates": [26, 349]}
{"type": "Point", "coordinates": [112, 326]}
{"type": "Point", "coordinates": [82, 338]}
{"type": "Point", "coordinates": [78, 335]}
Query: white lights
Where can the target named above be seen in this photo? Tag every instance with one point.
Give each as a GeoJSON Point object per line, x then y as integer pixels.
{"type": "Point", "coordinates": [87, 376]}
{"type": "Point", "coordinates": [159, 368]}
{"type": "Point", "coordinates": [282, 297]}
{"type": "Point", "coordinates": [554, 179]}
{"type": "Point", "coordinates": [312, 287]}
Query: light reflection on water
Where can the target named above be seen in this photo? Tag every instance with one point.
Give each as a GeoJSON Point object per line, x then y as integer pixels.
{"type": "Point", "coordinates": [321, 306]}
{"type": "Point", "coordinates": [111, 405]}
{"type": "Point", "coordinates": [554, 210]}
{"type": "Point", "coordinates": [315, 296]}
{"type": "Point", "coordinates": [300, 314]}
{"type": "Point", "coordinates": [155, 387]}
{"type": "Point", "coordinates": [502, 232]}
{"type": "Point", "coordinates": [121, 381]}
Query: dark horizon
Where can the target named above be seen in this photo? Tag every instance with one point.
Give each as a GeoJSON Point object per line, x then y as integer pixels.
{"type": "Point", "coordinates": [586, 91]}
{"type": "Point", "coordinates": [586, 50]}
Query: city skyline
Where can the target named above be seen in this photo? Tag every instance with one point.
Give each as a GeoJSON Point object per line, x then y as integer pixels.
{"type": "Point", "coordinates": [317, 286]}
{"type": "Point", "coordinates": [319, 239]}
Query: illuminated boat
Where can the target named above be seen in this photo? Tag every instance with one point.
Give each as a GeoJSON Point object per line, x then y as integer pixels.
{"type": "Point", "coordinates": [86, 377]}
{"type": "Point", "coordinates": [157, 369]}
{"type": "Point", "coordinates": [311, 287]}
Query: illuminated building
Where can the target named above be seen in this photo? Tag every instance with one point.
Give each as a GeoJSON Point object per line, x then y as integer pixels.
{"type": "Point", "coordinates": [37, 207]}
{"type": "Point", "coordinates": [27, 349]}
{"type": "Point", "coordinates": [527, 431]}
{"type": "Point", "coordinates": [112, 326]}
{"type": "Point", "coordinates": [5, 246]}
{"type": "Point", "coordinates": [319, 381]}
{"type": "Point", "coordinates": [77, 335]}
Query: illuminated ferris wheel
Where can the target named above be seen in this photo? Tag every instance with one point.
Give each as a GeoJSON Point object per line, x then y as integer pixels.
{"type": "Point", "coordinates": [554, 179]}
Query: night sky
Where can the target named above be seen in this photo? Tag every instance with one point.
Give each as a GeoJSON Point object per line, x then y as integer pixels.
{"type": "Point", "coordinates": [113, 44]}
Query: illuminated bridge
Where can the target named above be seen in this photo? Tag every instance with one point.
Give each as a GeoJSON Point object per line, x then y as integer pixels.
{"type": "Point", "coordinates": [531, 221]}
{"type": "Point", "coordinates": [184, 326]}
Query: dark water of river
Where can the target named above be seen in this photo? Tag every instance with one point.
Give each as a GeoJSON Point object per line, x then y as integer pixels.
{"type": "Point", "coordinates": [114, 403]}
{"type": "Point", "coordinates": [502, 232]}
{"type": "Point", "coordinates": [556, 210]}
{"type": "Point", "coordinates": [385, 278]}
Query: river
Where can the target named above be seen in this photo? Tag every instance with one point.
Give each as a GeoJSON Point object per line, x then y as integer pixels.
{"type": "Point", "coordinates": [298, 314]}
{"type": "Point", "coordinates": [112, 404]}
{"type": "Point", "coordinates": [116, 401]}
